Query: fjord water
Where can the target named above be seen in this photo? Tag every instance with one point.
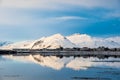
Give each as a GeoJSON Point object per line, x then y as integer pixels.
{"type": "Point", "coordinates": [37, 67]}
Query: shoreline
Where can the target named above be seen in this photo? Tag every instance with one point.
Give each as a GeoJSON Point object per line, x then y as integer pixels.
{"type": "Point", "coordinates": [64, 53]}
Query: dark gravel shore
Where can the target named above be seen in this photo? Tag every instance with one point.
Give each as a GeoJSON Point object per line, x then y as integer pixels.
{"type": "Point", "coordinates": [65, 53]}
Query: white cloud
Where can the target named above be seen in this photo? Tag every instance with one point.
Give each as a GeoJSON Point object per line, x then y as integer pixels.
{"type": "Point", "coordinates": [12, 18]}
{"type": "Point", "coordinates": [9, 16]}
{"type": "Point", "coordinates": [94, 3]}
{"type": "Point", "coordinates": [55, 4]}
{"type": "Point", "coordinates": [70, 18]}
{"type": "Point", "coordinates": [15, 18]}
{"type": "Point", "coordinates": [43, 4]}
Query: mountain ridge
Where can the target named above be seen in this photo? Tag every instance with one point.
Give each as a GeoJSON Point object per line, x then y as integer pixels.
{"type": "Point", "coordinates": [58, 40]}
{"type": "Point", "coordinates": [2, 43]}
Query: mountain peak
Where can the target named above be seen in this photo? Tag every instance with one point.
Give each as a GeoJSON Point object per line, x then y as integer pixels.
{"type": "Point", "coordinates": [76, 34]}
{"type": "Point", "coordinates": [82, 40]}
{"type": "Point", "coordinates": [57, 36]}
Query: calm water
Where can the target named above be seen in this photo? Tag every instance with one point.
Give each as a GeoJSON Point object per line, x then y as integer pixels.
{"type": "Point", "coordinates": [36, 67]}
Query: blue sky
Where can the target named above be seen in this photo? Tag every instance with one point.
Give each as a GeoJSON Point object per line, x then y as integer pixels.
{"type": "Point", "coordinates": [32, 19]}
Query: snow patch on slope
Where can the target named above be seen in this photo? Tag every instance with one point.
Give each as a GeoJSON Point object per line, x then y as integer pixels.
{"type": "Point", "coordinates": [2, 43]}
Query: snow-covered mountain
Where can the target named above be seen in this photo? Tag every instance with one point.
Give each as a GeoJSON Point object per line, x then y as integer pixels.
{"type": "Point", "coordinates": [21, 45]}
{"type": "Point", "coordinates": [107, 42]}
{"type": "Point", "coordinates": [83, 40]}
{"type": "Point", "coordinates": [3, 43]}
{"type": "Point", "coordinates": [52, 42]}
{"type": "Point", "coordinates": [58, 40]}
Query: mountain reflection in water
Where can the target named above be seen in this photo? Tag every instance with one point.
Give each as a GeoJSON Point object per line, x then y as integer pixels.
{"type": "Point", "coordinates": [37, 67]}
{"type": "Point", "coordinates": [57, 63]}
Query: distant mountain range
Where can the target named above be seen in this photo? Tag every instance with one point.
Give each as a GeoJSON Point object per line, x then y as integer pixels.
{"type": "Point", "coordinates": [3, 43]}
{"type": "Point", "coordinates": [58, 40]}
